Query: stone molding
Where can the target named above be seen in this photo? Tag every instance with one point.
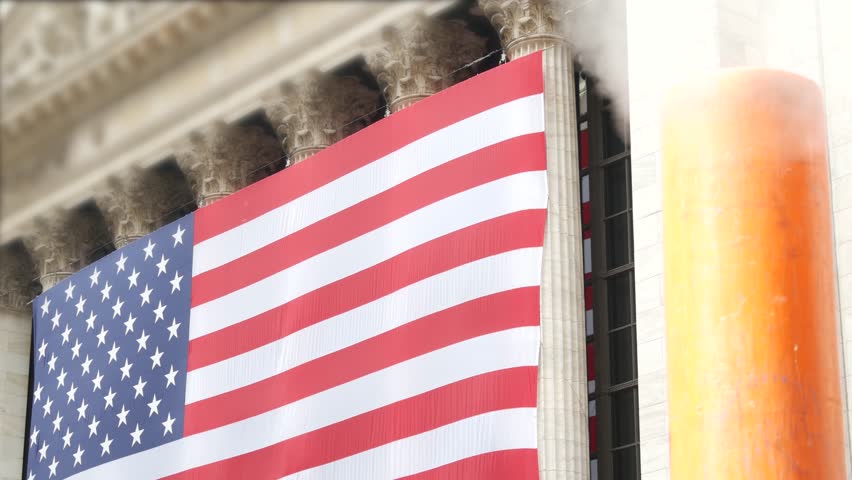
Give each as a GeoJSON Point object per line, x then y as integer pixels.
{"type": "Point", "coordinates": [318, 110]}
{"type": "Point", "coordinates": [223, 158]}
{"type": "Point", "coordinates": [524, 26]}
{"type": "Point", "coordinates": [420, 58]}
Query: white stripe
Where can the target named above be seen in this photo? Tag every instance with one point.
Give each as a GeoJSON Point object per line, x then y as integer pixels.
{"type": "Point", "coordinates": [587, 255]}
{"type": "Point", "coordinates": [584, 189]}
{"type": "Point", "coordinates": [515, 193]}
{"type": "Point", "coordinates": [517, 347]}
{"type": "Point", "coordinates": [509, 429]}
{"type": "Point", "coordinates": [512, 119]}
{"type": "Point", "coordinates": [506, 271]}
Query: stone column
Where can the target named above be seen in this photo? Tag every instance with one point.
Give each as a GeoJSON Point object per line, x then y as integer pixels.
{"type": "Point", "coordinates": [16, 279]}
{"type": "Point", "coordinates": [134, 204]}
{"type": "Point", "coordinates": [420, 58]}
{"type": "Point", "coordinates": [317, 111]}
{"type": "Point", "coordinates": [223, 158]}
{"type": "Point", "coordinates": [527, 26]}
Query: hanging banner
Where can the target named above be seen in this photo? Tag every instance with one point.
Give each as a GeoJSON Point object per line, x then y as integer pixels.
{"type": "Point", "coordinates": [369, 313]}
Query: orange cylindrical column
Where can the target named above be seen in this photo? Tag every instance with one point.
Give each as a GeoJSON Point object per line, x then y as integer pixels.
{"type": "Point", "coordinates": [751, 322]}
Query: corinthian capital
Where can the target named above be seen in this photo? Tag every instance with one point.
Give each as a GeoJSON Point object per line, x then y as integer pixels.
{"type": "Point", "coordinates": [420, 59]}
{"type": "Point", "coordinates": [319, 110]}
{"type": "Point", "coordinates": [524, 26]}
{"type": "Point", "coordinates": [134, 204]}
{"type": "Point", "coordinates": [223, 158]}
{"type": "Point", "coordinates": [16, 278]}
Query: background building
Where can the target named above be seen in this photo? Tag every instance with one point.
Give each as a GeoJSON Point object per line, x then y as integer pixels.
{"type": "Point", "coordinates": [118, 118]}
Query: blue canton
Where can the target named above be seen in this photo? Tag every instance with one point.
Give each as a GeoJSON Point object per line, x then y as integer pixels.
{"type": "Point", "coordinates": [110, 351]}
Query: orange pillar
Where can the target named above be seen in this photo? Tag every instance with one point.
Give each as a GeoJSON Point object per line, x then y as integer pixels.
{"type": "Point", "coordinates": [752, 335]}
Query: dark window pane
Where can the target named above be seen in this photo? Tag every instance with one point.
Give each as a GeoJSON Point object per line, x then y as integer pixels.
{"type": "Point", "coordinates": [625, 464]}
{"type": "Point", "coordinates": [615, 188]}
{"type": "Point", "coordinates": [622, 361]}
{"type": "Point", "coordinates": [624, 417]}
{"type": "Point", "coordinates": [618, 291]}
{"type": "Point", "coordinates": [617, 241]}
{"type": "Point", "coordinates": [613, 144]}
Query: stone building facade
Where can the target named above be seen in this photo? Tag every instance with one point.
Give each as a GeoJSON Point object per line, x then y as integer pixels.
{"type": "Point", "coordinates": [120, 118]}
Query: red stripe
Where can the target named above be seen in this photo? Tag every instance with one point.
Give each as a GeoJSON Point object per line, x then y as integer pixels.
{"type": "Point", "coordinates": [494, 313]}
{"type": "Point", "coordinates": [590, 360]}
{"type": "Point", "coordinates": [502, 234]}
{"type": "Point", "coordinates": [510, 388]}
{"type": "Point", "coordinates": [478, 168]}
{"type": "Point", "coordinates": [593, 434]}
{"type": "Point", "coordinates": [584, 149]}
{"type": "Point", "coordinates": [515, 80]}
{"type": "Point", "coordinates": [503, 465]}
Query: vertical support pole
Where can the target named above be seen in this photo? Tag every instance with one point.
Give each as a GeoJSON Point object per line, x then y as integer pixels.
{"type": "Point", "coordinates": [753, 364]}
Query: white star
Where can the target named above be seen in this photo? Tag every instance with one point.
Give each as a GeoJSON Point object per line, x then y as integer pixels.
{"type": "Point", "coordinates": [140, 388]}
{"type": "Point", "coordinates": [78, 457]}
{"type": "Point", "coordinates": [97, 381]}
{"type": "Point", "coordinates": [52, 467]}
{"type": "Point", "coordinates": [149, 250]}
{"type": "Point", "coordinates": [125, 370]}
{"type": "Point", "coordinates": [146, 295]}
{"type": "Point", "coordinates": [47, 406]}
{"type": "Point", "coordinates": [161, 266]}
{"type": "Point", "coordinates": [154, 406]}
{"type": "Point", "coordinates": [80, 304]}
{"type": "Point", "coordinates": [178, 236]}
{"type": "Point", "coordinates": [57, 422]}
{"type": "Point", "coordinates": [108, 398]}
{"type": "Point", "coordinates": [51, 364]}
{"type": "Point", "coordinates": [122, 416]}
{"type": "Point", "coordinates": [37, 393]}
{"type": "Point", "coordinates": [170, 377]}
{"type": "Point", "coordinates": [120, 263]}
{"type": "Point", "coordinates": [90, 322]}
{"type": "Point", "coordinates": [45, 306]}
{"type": "Point", "coordinates": [155, 358]}
{"type": "Point", "coordinates": [65, 334]}
{"type": "Point", "coordinates": [105, 445]}
{"type": "Point", "coordinates": [69, 292]}
{"type": "Point", "coordinates": [167, 425]}
{"type": "Point", "coordinates": [81, 410]}
{"type": "Point", "coordinates": [42, 349]}
{"type": "Point", "coordinates": [102, 336]}
{"type": "Point", "coordinates": [93, 427]}
{"type": "Point", "coordinates": [95, 276]}
{"type": "Point", "coordinates": [137, 436]}
{"type": "Point", "coordinates": [105, 291]}
{"type": "Point", "coordinates": [113, 352]}
{"type": "Point", "coordinates": [158, 312]}
{"type": "Point", "coordinates": [142, 341]}
{"type": "Point", "coordinates": [86, 364]}
{"type": "Point", "coordinates": [72, 394]}
{"type": "Point", "coordinates": [31, 476]}
{"type": "Point", "coordinates": [55, 319]}
{"type": "Point", "coordinates": [75, 350]}
{"type": "Point", "coordinates": [42, 452]}
{"type": "Point", "coordinates": [34, 437]}
{"type": "Point", "coordinates": [128, 325]}
{"type": "Point", "coordinates": [66, 439]}
{"type": "Point", "coordinates": [133, 276]}
{"type": "Point", "coordinates": [60, 379]}
{"type": "Point", "coordinates": [176, 282]}
{"type": "Point", "coordinates": [173, 328]}
{"type": "Point", "coordinates": [116, 309]}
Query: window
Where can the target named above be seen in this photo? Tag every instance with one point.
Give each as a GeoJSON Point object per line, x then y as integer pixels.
{"type": "Point", "coordinates": [610, 305]}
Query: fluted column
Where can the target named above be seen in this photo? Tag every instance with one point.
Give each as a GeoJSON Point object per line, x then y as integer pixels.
{"type": "Point", "coordinates": [223, 158]}
{"type": "Point", "coordinates": [16, 279]}
{"type": "Point", "coordinates": [420, 58]}
{"type": "Point", "coordinates": [318, 110]}
{"type": "Point", "coordinates": [526, 26]}
{"type": "Point", "coordinates": [60, 243]}
{"type": "Point", "coordinates": [134, 204]}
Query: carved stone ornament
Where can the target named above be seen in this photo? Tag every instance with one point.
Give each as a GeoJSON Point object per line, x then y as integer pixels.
{"type": "Point", "coordinates": [318, 110]}
{"type": "Point", "coordinates": [422, 58]}
{"type": "Point", "coordinates": [524, 26]}
{"type": "Point", "coordinates": [16, 278]}
{"type": "Point", "coordinates": [223, 158]}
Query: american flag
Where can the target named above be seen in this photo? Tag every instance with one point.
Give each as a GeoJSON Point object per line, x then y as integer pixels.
{"type": "Point", "coordinates": [370, 313]}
